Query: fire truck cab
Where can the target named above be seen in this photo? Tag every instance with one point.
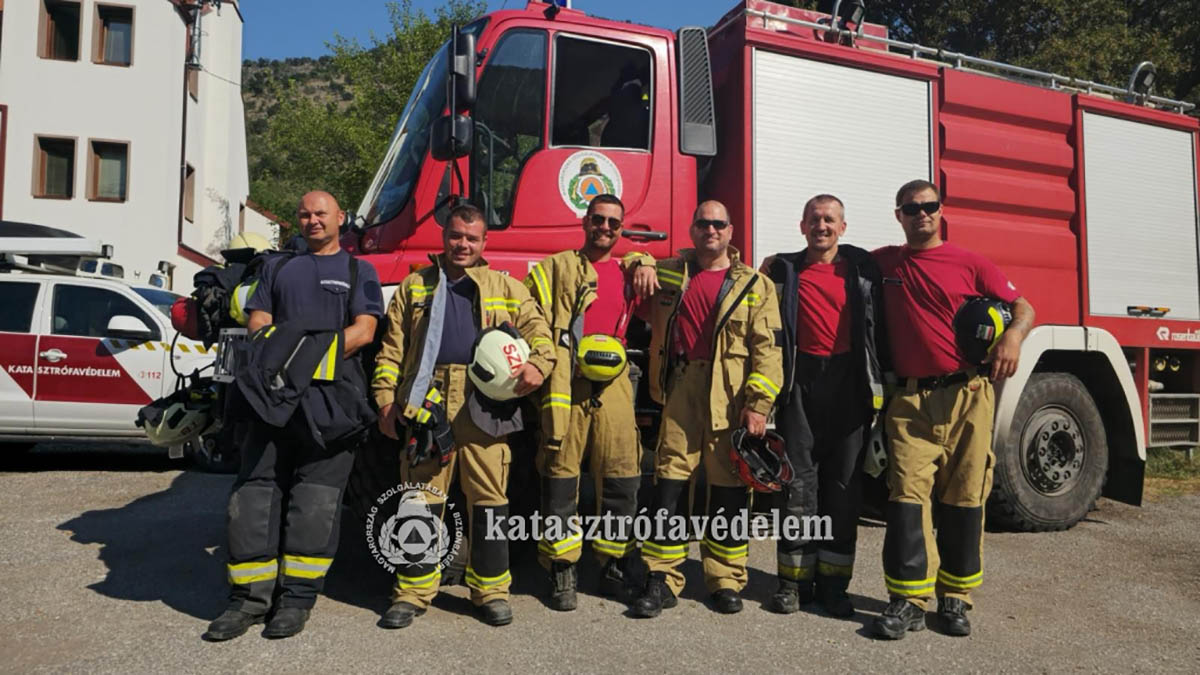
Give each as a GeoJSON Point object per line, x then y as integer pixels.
{"type": "Point", "coordinates": [1084, 194]}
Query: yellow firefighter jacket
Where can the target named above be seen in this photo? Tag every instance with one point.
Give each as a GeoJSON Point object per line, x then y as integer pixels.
{"type": "Point", "coordinates": [747, 364]}
{"type": "Point", "coordinates": [564, 284]}
{"type": "Point", "coordinates": [500, 298]}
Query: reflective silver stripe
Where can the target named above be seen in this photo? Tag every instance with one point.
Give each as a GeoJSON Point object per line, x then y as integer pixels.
{"type": "Point", "coordinates": [433, 338]}
{"type": "Point", "coordinates": [248, 573]}
{"type": "Point", "coordinates": [797, 559]}
{"type": "Point", "coordinates": [290, 566]}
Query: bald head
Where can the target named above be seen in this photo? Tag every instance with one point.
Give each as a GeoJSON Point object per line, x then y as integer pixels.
{"type": "Point", "coordinates": [713, 209]}
{"type": "Point", "coordinates": [320, 219]}
{"type": "Point", "coordinates": [318, 196]}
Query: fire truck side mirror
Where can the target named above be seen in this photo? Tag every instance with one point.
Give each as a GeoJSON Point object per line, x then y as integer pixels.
{"type": "Point", "coordinates": [462, 71]}
{"type": "Point", "coordinates": [450, 137]}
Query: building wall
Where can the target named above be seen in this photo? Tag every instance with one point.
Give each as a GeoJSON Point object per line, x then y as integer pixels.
{"type": "Point", "coordinates": [142, 104]}
{"type": "Point", "coordinates": [217, 135]}
{"type": "Point", "coordinates": [261, 223]}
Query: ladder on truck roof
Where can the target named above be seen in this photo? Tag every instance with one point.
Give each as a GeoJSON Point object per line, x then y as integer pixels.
{"type": "Point", "coordinates": [960, 61]}
{"type": "Point", "coordinates": [36, 248]}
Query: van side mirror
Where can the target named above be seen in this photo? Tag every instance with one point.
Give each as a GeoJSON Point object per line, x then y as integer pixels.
{"type": "Point", "coordinates": [126, 326]}
{"type": "Point", "coordinates": [450, 137]}
{"type": "Point", "coordinates": [462, 71]}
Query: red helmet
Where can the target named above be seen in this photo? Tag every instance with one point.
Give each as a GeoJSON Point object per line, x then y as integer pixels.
{"type": "Point", "coordinates": [761, 463]}
{"type": "Point", "coordinates": [185, 317]}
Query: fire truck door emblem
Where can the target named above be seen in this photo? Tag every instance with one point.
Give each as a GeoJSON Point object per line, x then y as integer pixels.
{"type": "Point", "coordinates": [583, 176]}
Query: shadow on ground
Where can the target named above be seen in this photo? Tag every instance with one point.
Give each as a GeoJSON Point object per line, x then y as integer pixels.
{"type": "Point", "coordinates": [164, 547]}
{"type": "Point", "coordinates": [89, 456]}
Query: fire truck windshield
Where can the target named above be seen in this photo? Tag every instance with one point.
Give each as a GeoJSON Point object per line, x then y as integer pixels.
{"type": "Point", "coordinates": [397, 175]}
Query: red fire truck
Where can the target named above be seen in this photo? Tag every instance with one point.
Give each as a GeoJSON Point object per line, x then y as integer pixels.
{"type": "Point", "coordinates": [1084, 194]}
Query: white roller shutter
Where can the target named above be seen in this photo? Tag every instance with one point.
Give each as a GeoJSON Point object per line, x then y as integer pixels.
{"type": "Point", "coordinates": [1140, 193]}
{"type": "Point", "coordinates": [853, 133]}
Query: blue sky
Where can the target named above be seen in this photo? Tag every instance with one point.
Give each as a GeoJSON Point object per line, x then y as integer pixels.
{"type": "Point", "coordinates": [277, 29]}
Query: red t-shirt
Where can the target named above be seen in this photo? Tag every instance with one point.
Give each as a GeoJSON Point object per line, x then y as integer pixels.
{"type": "Point", "coordinates": [822, 322]}
{"type": "Point", "coordinates": [605, 312]}
{"type": "Point", "coordinates": [921, 292]}
{"type": "Point", "coordinates": [697, 315]}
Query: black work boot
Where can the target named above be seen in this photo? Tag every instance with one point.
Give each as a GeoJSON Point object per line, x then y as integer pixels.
{"type": "Point", "coordinates": [656, 597]}
{"type": "Point", "coordinates": [898, 618]}
{"type": "Point", "coordinates": [286, 622]}
{"type": "Point", "coordinates": [727, 601]}
{"type": "Point", "coordinates": [832, 596]}
{"type": "Point", "coordinates": [400, 615]}
{"type": "Point", "coordinates": [231, 624]}
{"type": "Point", "coordinates": [952, 617]}
{"type": "Point", "coordinates": [789, 596]}
{"type": "Point", "coordinates": [614, 577]}
{"type": "Point", "coordinates": [563, 579]}
{"type": "Point", "coordinates": [495, 613]}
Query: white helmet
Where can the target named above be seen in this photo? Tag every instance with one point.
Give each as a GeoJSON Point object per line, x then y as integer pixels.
{"type": "Point", "coordinates": [175, 423]}
{"type": "Point", "coordinates": [498, 356]}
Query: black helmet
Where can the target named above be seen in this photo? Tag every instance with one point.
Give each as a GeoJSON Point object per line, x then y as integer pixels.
{"type": "Point", "coordinates": [761, 463]}
{"type": "Point", "coordinates": [978, 325]}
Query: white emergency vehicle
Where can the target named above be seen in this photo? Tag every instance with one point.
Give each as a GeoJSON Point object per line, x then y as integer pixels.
{"type": "Point", "coordinates": [81, 351]}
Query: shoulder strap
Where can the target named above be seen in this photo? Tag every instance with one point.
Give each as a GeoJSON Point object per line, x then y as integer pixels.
{"type": "Point", "coordinates": [736, 302]}
{"type": "Point", "coordinates": [353, 289]}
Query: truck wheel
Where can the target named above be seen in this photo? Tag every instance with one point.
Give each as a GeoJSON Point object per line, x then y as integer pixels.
{"type": "Point", "coordinates": [1051, 470]}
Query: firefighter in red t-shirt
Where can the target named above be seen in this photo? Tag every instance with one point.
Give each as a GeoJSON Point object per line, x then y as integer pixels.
{"type": "Point", "coordinates": [584, 292]}
{"type": "Point", "coordinates": [714, 366]}
{"type": "Point", "coordinates": [939, 423]}
{"type": "Point", "coordinates": [832, 387]}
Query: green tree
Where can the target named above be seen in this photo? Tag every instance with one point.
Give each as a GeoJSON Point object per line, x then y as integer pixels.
{"type": "Point", "coordinates": [1098, 40]}
{"type": "Point", "coordinates": [308, 145]}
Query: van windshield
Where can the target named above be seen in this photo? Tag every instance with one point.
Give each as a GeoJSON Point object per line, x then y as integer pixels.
{"type": "Point", "coordinates": [162, 300]}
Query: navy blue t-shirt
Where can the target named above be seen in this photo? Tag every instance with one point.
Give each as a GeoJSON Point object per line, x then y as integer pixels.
{"type": "Point", "coordinates": [461, 322]}
{"type": "Point", "coordinates": [313, 289]}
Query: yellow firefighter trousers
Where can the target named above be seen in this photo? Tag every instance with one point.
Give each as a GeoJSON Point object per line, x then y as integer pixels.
{"type": "Point", "coordinates": [941, 447]}
{"type": "Point", "coordinates": [602, 429]}
{"type": "Point", "coordinates": [686, 439]}
{"type": "Point", "coordinates": [481, 464]}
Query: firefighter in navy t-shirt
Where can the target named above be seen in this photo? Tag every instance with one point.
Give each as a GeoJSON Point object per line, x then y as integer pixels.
{"type": "Point", "coordinates": [286, 501]}
{"type": "Point", "coordinates": [939, 424]}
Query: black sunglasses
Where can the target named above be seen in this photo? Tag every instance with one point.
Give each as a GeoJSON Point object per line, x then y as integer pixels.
{"type": "Point", "coordinates": [702, 224]}
{"type": "Point", "coordinates": [913, 208]}
{"type": "Point", "coordinates": [598, 220]}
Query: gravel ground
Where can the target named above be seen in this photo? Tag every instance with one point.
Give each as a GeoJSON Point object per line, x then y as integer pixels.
{"type": "Point", "coordinates": [114, 561]}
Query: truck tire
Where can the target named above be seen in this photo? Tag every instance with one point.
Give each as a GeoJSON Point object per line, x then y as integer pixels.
{"type": "Point", "coordinates": [1051, 470]}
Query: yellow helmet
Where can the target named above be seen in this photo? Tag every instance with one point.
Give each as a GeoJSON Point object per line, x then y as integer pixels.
{"type": "Point", "coordinates": [252, 240]}
{"type": "Point", "coordinates": [600, 357]}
